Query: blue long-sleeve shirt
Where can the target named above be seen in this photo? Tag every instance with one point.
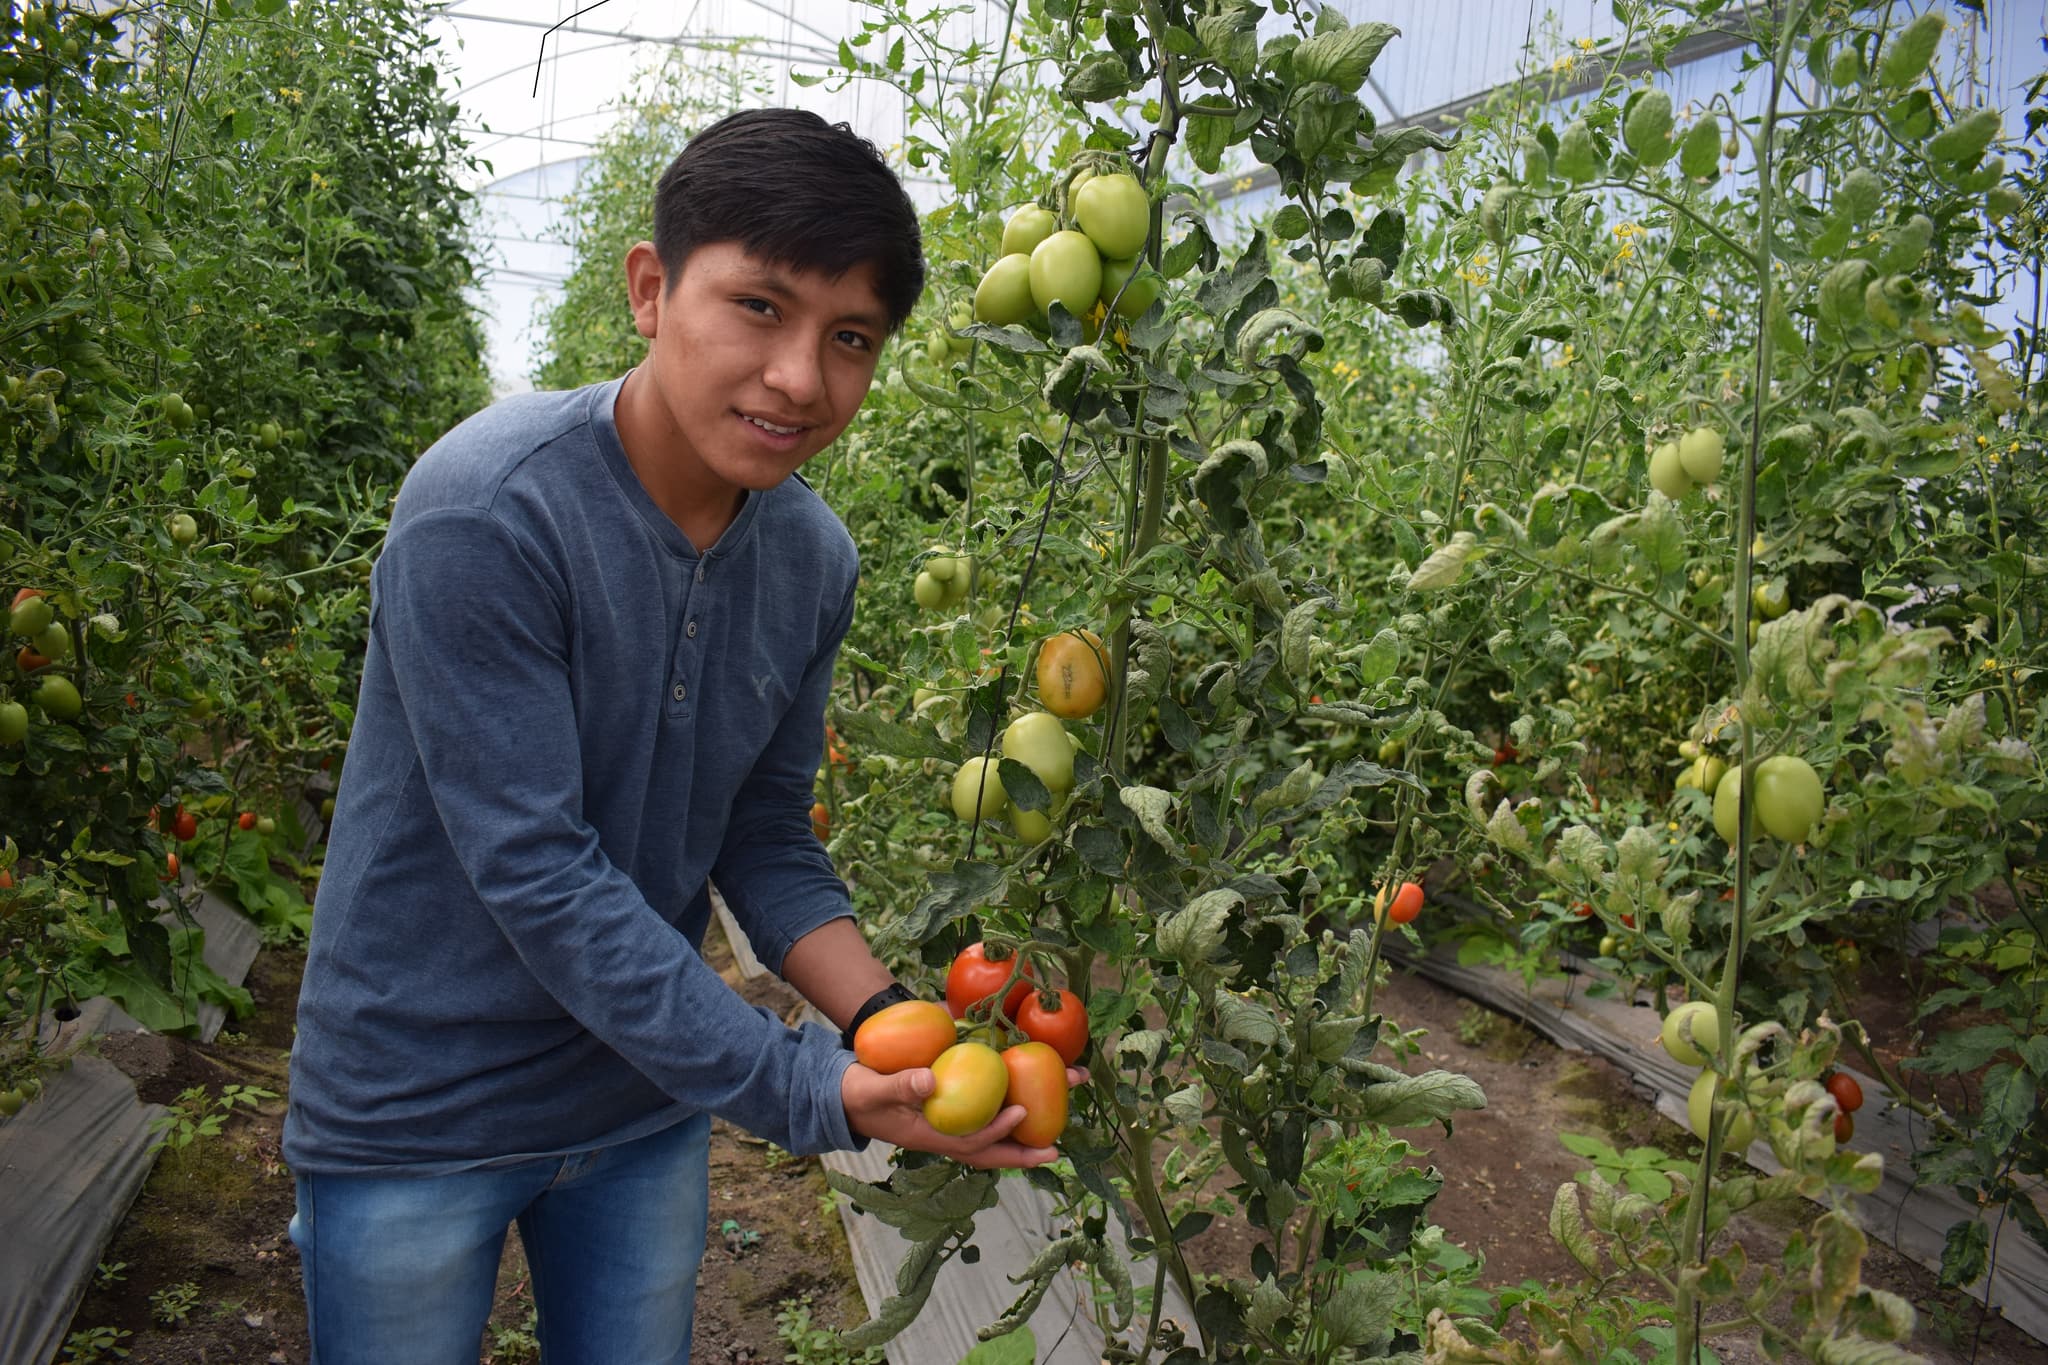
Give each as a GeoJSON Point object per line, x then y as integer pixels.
{"type": "Point", "coordinates": [569, 720]}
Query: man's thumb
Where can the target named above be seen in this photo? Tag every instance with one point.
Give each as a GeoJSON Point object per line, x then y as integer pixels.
{"type": "Point", "coordinates": [918, 1083]}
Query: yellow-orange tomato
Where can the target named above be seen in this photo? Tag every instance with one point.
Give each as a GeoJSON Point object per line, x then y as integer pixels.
{"type": "Point", "coordinates": [1407, 904]}
{"type": "Point", "coordinates": [972, 1081]}
{"type": "Point", "coordinates": [1038, 1081]}
{"type": "Point", "coordinates": [821, 820]}
{"type": "Point", "coordinates": [903, 1037]}
{"type": "Point", "coordinates": [1073, 674]}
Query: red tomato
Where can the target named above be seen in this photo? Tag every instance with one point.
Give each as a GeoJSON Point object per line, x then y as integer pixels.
{"type": "Point", "coordinates": [903, 1037]}
{"type": "Point", "coordinates": [6, 880]}
{"type": "Point", "coordinates": [1038, 1081]}
{"type": "Point", "coordinates": [1845, 1127]}
{"type": "Point", "coordinates": [1848, 1092]}
{"type": "Point", "coordinates": [1505, 754]}
{"type": "Point", "coordinates": [170, 867]}
{"type": "Point", "coordinates": [1407, 903]}
{"type": "Point", "coordinates": [184, 826]}
{"type": "Point", "coordinates": [246, 820]}
{"type": "Point", "coordinates": [1063, 1026]}
{"type": "Point", "coordinates": [28, 661]}
{"type": "Point", "coordinates": [973, 978]}
{"type": "Point", "coordinates": [23, 596]}
{"type": "Point", "coordinates": [821, 820]}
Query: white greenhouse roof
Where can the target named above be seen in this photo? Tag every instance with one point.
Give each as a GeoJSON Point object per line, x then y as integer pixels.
{"type": "Point", "coordinates": [539, 80]}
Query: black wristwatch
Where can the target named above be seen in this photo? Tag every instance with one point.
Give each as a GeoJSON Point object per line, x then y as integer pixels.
{"type": "Point", "coordinates": [891, 994]}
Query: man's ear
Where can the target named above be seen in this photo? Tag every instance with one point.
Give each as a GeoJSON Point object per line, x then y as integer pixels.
{"type": "Point", "coordinates": [645, 281]}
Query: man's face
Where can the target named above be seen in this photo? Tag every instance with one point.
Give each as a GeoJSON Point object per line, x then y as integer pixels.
{"type": "Point", "coordinates": [757, 366]}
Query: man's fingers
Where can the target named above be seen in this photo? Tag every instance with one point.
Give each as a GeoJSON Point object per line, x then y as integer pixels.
{"type": "Point", "coordinates": [916, 1085]}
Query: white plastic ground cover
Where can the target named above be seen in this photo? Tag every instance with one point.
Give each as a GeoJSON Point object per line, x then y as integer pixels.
{"type": "Point", "coordinates": [72, 1162]}
{"type": "Point", "coordinates": [965, 1297]}
{"type": "Point", "coordinates": [1909, 1216]}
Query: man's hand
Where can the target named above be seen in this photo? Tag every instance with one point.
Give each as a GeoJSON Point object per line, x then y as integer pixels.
{"type": "Point", "coordinates": [891, 1109]}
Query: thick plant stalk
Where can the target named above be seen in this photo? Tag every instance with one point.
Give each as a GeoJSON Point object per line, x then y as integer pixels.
{"type": "Point", "coordinates": [1686, 1318]}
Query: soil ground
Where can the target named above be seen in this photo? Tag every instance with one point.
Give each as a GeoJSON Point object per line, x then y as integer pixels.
{"type": "Point", "coordinates": [208, 1230]}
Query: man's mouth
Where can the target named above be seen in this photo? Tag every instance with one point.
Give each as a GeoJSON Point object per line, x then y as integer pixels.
{"type": "Point", "coordinates": [767, 425]}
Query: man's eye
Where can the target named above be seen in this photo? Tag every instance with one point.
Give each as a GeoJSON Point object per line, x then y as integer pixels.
{"type": "Point", "coordinates": [857, 340]}
{"type": "Point", "coordinates": [761, 306]}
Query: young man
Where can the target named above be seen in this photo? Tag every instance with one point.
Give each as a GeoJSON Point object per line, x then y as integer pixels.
{"type": "Point", "coordinates": [602, 630]}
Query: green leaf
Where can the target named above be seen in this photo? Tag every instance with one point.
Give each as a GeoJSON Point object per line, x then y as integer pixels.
{"type": "Point", "coordinates": [1443, 567]}
{"type": "Point", "coordinates": [2007, 1107]}
{"type": "Point", "coordinates": [1343, 58]}
{"type": "Point", "coordinates": [1428, 1098]}
{"type": "Point", "coordinates": [1964, 1050]}
{"type": "Point", "coordinates": [872, 733]}
{"type": "Point", "coordinates": [1361, 1311]}
{"type": "Point", "coordinates": [1016, 1348]}
{"type": "Point", "coordinates": [1191, 935]}
{"type": "Point", "coordinates": [1568, 1228]}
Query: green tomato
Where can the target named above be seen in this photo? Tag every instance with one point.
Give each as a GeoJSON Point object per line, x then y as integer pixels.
{"type": "Point", "coordinates": [1067, 268]}
{"type": "Point", "coordinates": [53, 642]}
{"type": "Point", "coordinates": [1704, 1100]}
{"type": "Point", "coordinates": [1728, 805]}
{"type": "Point", "coordinates": [1667, 472]}
{"type": "Point", "coordinates": [1789, 799]}
{"type": "Point", "coordinates": [1032, 826]}
{"type": "Point", "coordinates": [928, 591]}
{"type": "Point", "coordinates": [1700, 451]}
{"type": "Point", "coordinates": [265, 825]}
{"type": "Point", "coordinates": [1770, 599]}
{"type": "Point", "coordinates": [1704, 772]}
{"type": "Point", "coordinates": [1027, 227]}
{"type": "Point", "coordinates": [11, 1102]}
{"type": "Point", "coordinates": [1136, 299]}
{"type": "Point", "coordinates": [971, 1082]}
{"type": "Point", "coordinates": [184, 530]}
{"type": "Point", "coordinates": [1608, 945]}
{"type": "Point", "coordinates": [978, 789]}
{"type": "Point", "coordinates": [31, 615]}
{"type": "Point", "coordinates": [1004, 295]}
{"type": "Point", "coordinates": [1691, 1033]}
{"type": "Point", "coordinates": [58, 697]}
{"type": "Point", "coordinates": [13, 722]}
{"type": "Point", "coordinates": [1040, 743]}
{"type": "Point", "coordinates": [938, 348]}
{"type": "Point", "coordinates": [1115, 212]}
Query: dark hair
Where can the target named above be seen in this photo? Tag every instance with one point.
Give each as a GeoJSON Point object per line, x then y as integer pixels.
{"type": "Point", "coordinates": [796, 190]}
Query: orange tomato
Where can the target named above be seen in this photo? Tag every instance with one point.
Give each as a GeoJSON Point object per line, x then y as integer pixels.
{"type": "Point", "coordinates": [1406, 905]}
{"type": "Point", "coordinates": [821, 820]}
{"type": "Point", "coordinates": [1038, 1081]}
{"type": "Point", "coordinates": [170, 867]}
{"type": "Point", "coordinates": [1073, 674]}
{"type": "Point", "coordinates": [903, 1037]}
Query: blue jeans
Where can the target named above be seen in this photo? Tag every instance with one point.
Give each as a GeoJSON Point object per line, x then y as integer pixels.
{"type": "Point", "coordinates": [402, 1270]}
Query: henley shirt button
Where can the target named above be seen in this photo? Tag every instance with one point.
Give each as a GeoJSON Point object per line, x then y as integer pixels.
{"type": "Point", "coordinates": [691, 630]}
{"type": "Point", "coordinates": [700, 573]}
{"type": "Point", "coordinates": [681, 692]}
